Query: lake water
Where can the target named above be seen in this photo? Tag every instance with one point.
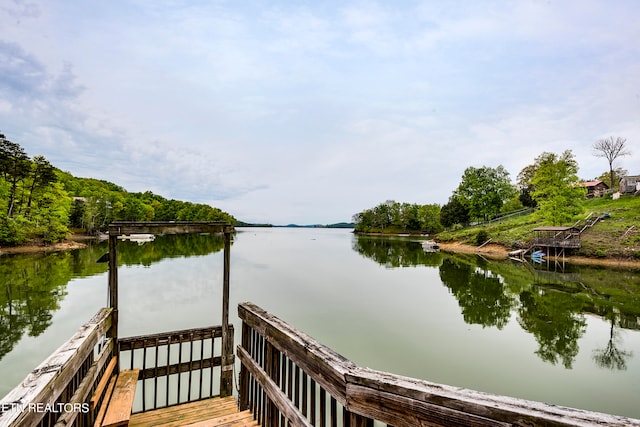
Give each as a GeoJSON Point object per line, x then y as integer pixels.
{"type": "Point", "coordinates": [568, 336]}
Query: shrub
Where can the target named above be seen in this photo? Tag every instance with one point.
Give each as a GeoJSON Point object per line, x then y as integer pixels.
{"type": "Point", "coordinates": [13, 231]}
{"type": "Point", "coordinates": [481, 237]}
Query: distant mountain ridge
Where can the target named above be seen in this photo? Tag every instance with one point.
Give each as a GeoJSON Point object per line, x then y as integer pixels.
{"type": "Point", "coordinates": [336, 225]}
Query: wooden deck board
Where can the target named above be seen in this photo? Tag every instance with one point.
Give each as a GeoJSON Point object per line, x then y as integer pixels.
{"type": "Point", "coordinates": [215, 412]}
{"type": "Point", "coordinates": [239, 419]}
{"type": "Point", "coordinates": [121, 401]}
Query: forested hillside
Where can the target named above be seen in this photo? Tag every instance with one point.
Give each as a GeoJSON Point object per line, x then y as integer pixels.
{"type": "Point", "coordinates": [38, 202]}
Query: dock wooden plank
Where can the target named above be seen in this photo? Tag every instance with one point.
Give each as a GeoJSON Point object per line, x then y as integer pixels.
{"type": "Point", "coordinates": [103, 407]}
{"type": "Point", "coordinates": [102, 385]}
{"type": "Point", "coordinates": [217, 411]}
{"type": "Point", "coordinates": [208, 406]}
{"type": "Point", "coordinates": [119, 406]}
{"type": "Point", "coordinates": [239, 419]}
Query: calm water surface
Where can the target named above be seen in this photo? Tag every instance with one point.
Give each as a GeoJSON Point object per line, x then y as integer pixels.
{"type": "Point", "coordinates": [564, 336]}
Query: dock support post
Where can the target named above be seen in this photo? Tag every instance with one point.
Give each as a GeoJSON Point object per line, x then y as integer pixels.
{"type": "Point", "coordinates": [113, 293]}
{"type": "Point", "coordinates": [226, 368]}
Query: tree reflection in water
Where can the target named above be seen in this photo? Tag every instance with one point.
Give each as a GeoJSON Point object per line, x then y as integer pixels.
{"type": "Point", "coordinates": [395, 252]}
{"type": "Point", "coordinates": [550, 303]}
{"type": "Point", "coordinates": [480, 294]}
{"type": "Point", "coordinates": [34, 285]}
{"type": "Point", "coordinates": [555, 319]}
{"type": "Point", "coordinates": [611, 356]}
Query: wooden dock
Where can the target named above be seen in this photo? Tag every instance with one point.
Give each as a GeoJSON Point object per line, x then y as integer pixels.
{"type": "Point", "coordinates": [215, 412]}
{"type": "Point", "coordinates": [184, 378]}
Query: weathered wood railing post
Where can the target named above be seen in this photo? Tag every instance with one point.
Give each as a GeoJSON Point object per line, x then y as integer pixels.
{"type": "Point", "coordinates": [243, 395]}
{"type": "Point", "coordinates": [272, 359]}
{"type": "Point", "coordinates": [113, 292]}
{"type": "Point", "coordinates": [226, 369]}
{"type": "Point", "coordinates": [366, 395]}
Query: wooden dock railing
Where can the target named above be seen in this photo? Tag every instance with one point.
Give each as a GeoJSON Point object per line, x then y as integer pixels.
{"type": "Point", "coordinates": [56, 392]}
{"type": "Point", "coordinates": [175, 367]}
{"type": "Point", "coordinates": [288, 378]}
{"type": "Point", "coordinates": [59, 392]}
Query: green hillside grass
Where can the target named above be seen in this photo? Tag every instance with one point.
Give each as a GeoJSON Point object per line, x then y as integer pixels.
{"type": "Point", "coordinates": [606, 239]}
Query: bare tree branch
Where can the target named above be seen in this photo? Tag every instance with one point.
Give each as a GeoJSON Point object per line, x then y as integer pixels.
{"type": "Point", "coordinates": [611, 148]}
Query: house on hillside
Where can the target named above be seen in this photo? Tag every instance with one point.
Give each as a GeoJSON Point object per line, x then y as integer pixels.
{"type": "Point", "coordinates": [595, 188]}
{"type": "Point", "coordinates": [630, 184]}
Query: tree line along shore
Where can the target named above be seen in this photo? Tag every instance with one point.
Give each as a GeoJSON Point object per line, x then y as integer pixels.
{"type": "Point", "coordinates": [487, 206]}
{"type": "Point", "coordinates": [41, 205]}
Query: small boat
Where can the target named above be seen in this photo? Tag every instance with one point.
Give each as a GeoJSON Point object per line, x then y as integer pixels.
{"type": "Point", "coordinates": [538, 256]}
{"type": "Point", "coordinates": [430, 246]}
{"type": "Point", "coordinates": [517, 255]}
{"type": "Point", "coordinates": [138, 238]}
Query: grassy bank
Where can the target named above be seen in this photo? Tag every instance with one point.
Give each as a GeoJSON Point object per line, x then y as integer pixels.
{"type": "Point", "coordinates": [609, 238]}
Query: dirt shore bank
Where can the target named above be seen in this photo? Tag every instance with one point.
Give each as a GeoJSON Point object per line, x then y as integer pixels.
{"type": "Point", "coordinates": [65, 245]}
{"type": "Point", "coordinates": [498, 252]}
{"type": "Point", "coordinates": [491, 251]}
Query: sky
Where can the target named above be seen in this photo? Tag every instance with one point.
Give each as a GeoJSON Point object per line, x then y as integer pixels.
{"type": "Point", "coordinates": [311, 111]}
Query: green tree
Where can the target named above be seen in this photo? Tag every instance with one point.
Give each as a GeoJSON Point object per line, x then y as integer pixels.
{"type": "Point", "coordinates": [76, 215]}
{"type": "Point", "coordinates": [14, 166]}
{"type": "Point", "coordinates": [454, 212]}
{"type": "Point", "coordinates": [512, 204]}
{"type": "Point", "coordinates": [383, 214]}
{"type": "Point", "coordinates": [13, 230]}
{"type": "Point", "coordinates": [556, 189]}
{"type": "Point", "coordinates": [525, 198]}
{"type": "Point", "coordinates": [32, 205]}
{"type": "Point", "coordinates": [399, 217]}
{"type": "Point", "coordinates": [51, 214]}
{"type": "Point", "coordinates": [429, 218]}
{"type": "Point", "coordinates": [42, 176]}
{"type": "Point", "coordinates": [134, 209]}
{"type": "Point", "coordinates": [618, 173]}
{"type": "Point", "coordinates": [484, 190]}
{"type": "Point", "coordinates": [525, 186]}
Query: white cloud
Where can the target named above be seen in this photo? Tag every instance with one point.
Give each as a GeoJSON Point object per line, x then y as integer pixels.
{"type": "Point", "coordinates": [311, 113]}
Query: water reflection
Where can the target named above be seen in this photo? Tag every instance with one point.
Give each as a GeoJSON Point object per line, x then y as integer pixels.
{"type": "Point", "coordinates": [611, 356]}
{"type": "Point", "coordinates": [393, 253]}
{"type": "Point", "coordinates": [555, 318]}
{"type": "Point", "coordinates": [32, 289]}
{"type": "Point", "coordinates": [480, 293]}
{"type": "Point", "coordinates": [550, 301]}
{"type": "Point", "coordinates": [168, 246]}
{"type": "Point", "coordinates": [34, 285]}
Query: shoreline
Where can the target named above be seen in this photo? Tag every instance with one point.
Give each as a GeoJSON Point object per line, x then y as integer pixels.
{"type": "Point", "coordinates": [70, 243]}
{"type": "Point", "coordinates": [499, 252]}
{"type": "Point", "coordinates": [491, 251]}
